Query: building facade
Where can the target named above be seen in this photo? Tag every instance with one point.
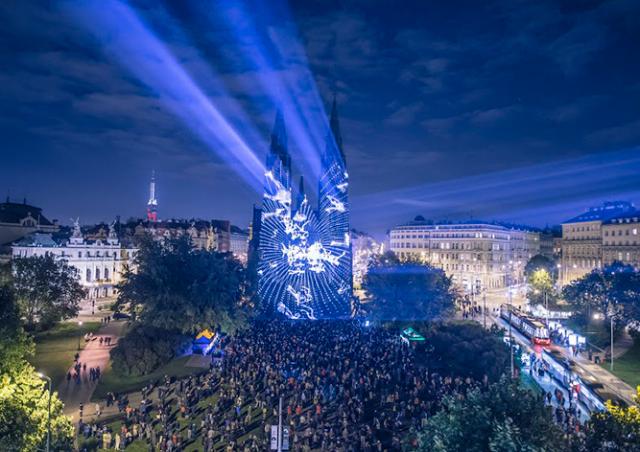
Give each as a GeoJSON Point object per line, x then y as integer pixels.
{"type": "Point", "coordinates": [304, 254]}
{"type": "Point", "coordinates": [584, 238]}
{"type": "Point", "coordinates": [100, 263]}
{"type": "Point", "coordinates": [239, 244]}
{"type": "Point", "coordinates": [621, 239]}
{"type": "Point", "coordinates": [475, 255]}
{"type": "Point", "coordinates": [211, 235]}
{"type": "Point", "coordinates": [18, 220]}
{"type": "Point", "coordinates": [365, 248]}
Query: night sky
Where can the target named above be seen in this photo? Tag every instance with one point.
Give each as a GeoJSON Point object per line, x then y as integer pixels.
{"type": "Point", "coordinates": [520, 111]}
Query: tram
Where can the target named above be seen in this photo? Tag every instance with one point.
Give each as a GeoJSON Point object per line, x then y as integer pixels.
{"type": "Point", "coordinates": [531, 327]}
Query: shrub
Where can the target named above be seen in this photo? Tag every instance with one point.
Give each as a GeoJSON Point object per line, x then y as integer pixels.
{"type": "Point", "coordinates": [146, 348]}
{"type": "Point", "coordinates": [466, 350]}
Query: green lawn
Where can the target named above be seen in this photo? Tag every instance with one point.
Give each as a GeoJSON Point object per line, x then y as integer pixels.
{"type": "Point", "coordinates": [56, 347]}
{"type": "Point", "coordinates": [112, 382]}
{"type": "Point", "coordinates": [597, 332]}
{"type": "Point", "coordinates": [627, 367]}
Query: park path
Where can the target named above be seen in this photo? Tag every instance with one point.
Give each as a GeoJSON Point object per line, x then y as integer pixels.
{"type": "Point", "coordinates": [624, 343]}
{"type": "Point", "coordinates": [93, 355]}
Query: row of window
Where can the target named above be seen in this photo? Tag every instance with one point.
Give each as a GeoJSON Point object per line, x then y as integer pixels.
{"type": "Point", "coordinates": [453, 246]}
{"type": "Point", "coordinates": [634, 231]}
{"type": "Point", "coordinates": [97, 276]}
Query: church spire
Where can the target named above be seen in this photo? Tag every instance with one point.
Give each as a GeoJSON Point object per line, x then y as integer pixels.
{"type": "Point", "coordinates": [279, 140]}
{"type": "Point", "coordinates": [335, 127]}
{"type": "Point", "coordinates": [300, 195]}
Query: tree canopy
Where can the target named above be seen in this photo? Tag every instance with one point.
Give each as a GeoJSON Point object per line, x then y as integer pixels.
{"type": "Point", "coordinates": [540, 262]}
{"type": "Point", "coordinates": [176, 287]}
{"type": "Point", "coordinates": [503, 418]}
{"type": "Point", "coordinates": [47, 290]}
{"type": "Point", "coordinates": [407, 290]}
{"type": "Point", "coordinates": [616, 429]}
{"type": "Point", "coordinates": [616, 285]}
{"type": "Point", "coordinates": [23, 396]}
{"type": "Point", "coordinates": [465, 350]}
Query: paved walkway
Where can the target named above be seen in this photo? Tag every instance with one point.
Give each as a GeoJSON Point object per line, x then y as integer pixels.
{"type": "Point", "coordinates": [624, 343]}
{"type": "Point", "coordinates": [93, 355]}
{"type": "Point", "coordinates": [589, 371]}
{"type": "Point", "coordinates": [592, 372]}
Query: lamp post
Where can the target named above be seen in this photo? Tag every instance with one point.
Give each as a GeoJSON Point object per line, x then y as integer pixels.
{"type": "Point", "coordinates": [546, 307]}
{"type": "Point", "coordinates": [611, 312]}
{"type": "Point", "coordinates": [484, 307]}
{"type": "Point", "coordinates": [48, 380]}
{"type": "Point", "coordinates": [510, 310]}
{"type": "Point", "coordinates": [79, 333]}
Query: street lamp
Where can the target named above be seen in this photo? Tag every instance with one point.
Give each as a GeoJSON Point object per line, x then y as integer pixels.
{"type": "Point", "coordinates": [48, 380]}
{"type": "Point", "coordinates": [509, 270]}
{"type": "Point", "coordinates": [79, 333]}
{"type": "Point", "coordinates": [611, 312]}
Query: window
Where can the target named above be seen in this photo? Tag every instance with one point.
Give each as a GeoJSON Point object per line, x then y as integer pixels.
{"type": "Point", "coordinates": [97, 274]}
{"type": "Point", "coordinates": [106, 274]}
{"type": "Point", "coordinates": [88, 275]}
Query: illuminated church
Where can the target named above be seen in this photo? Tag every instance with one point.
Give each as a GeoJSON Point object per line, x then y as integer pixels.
{"type": "Point", "coordinates": [304, 251]}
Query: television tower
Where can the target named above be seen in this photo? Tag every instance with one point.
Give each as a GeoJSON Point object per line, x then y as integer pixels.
{"type": "Point", "coordinates": [152, 205]}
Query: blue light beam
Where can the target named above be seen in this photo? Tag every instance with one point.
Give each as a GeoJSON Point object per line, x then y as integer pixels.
{"type": "Point", "coordinates": [126, 38]}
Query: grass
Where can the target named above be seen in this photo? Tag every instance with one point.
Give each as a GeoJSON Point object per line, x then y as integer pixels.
{"type": "Point", "coordinates": [596, 331]}
{"type": "Point", "coordinates": [627, 367]}
{"type": "Point", "coordinates": [56, 348]}
{"type": "Point", "coordinates": [529, 383]}
{"type": "Point", "coordinates": [112, 382]}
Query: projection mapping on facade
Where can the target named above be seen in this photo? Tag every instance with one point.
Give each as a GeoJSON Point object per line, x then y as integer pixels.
{"type": "Point", "coordinates": [304, 269]}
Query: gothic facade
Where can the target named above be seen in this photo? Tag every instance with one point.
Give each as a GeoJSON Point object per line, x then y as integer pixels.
{"type": "Point", "coordinates": [304, 253]}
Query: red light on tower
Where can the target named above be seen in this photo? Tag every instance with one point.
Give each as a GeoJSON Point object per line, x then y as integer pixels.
{"type": "Point", "coordinates": [152, 204]}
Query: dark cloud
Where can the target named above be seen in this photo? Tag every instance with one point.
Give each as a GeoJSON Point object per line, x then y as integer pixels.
{"type": "Point", "coordinates": [428, 93]}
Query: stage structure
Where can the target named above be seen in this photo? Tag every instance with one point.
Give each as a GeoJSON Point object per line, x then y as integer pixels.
{"type": "Point", "coordinates": [304, 268]}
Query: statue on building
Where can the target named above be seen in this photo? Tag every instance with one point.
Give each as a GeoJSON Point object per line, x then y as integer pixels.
{"type": "Point", "coordinates": [77, 232]}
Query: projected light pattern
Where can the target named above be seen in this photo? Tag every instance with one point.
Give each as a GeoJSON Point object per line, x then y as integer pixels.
{"type": "Point", "coordinates": [305, 254]}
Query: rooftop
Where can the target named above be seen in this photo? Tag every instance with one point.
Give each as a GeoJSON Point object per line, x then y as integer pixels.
{"type": "Point", "coordinates": [420, 221]}
{"type": "Point", "coordinates": [605, 212]}
{"type": "Point", "coordinates": [13, 212]}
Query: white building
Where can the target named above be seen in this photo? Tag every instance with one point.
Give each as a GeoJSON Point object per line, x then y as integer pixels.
{"type": "Point", "coordinates": [476, 255]}
{"type": "Point", "coordinates": [100, 263]}
{"type": "Point", "coordinates": [239, 244]}
{"type": "Point", "coordinates": [363, 248]}
{"type": "Point", "coordinates": [597, 237]}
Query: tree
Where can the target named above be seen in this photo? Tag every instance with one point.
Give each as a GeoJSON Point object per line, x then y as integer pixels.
{"type": "Point", "coordinates": [504, 417]}
{"type": "Point", "coordinates": [465, 350]}
{"type": "Point", "coordinates": [407, 290]}
{"type": "Point", "coordinates": [178, 288]}
{"type": "Point", "coordinates": [540, 262]}
{"type": "Point", "coordinates": [616, 286]}
{"type": "Point", "coordinates": [616, 429]}
{"type": "Point", "coordinates": [23, 396]}
{"type": "Point", "coordinates": [146, 348]}
{"type": "Point", "coordinates": [24, 411]}
{"type": "Point", "coordinates": [47, 290]}
{"type": "Point", "coordinates": [541, 288]}
{"type": "Point", "coordinates": [15, 345]}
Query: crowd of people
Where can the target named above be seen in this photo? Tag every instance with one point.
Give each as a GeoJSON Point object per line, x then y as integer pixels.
{"type": "Point", "coordinates": [344, 387]}
{"type": "Point", "coordinates": [79, 372]}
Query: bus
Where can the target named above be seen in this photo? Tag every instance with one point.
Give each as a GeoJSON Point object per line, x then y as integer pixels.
{"type": "Point", "coordinates": [531, 327]}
